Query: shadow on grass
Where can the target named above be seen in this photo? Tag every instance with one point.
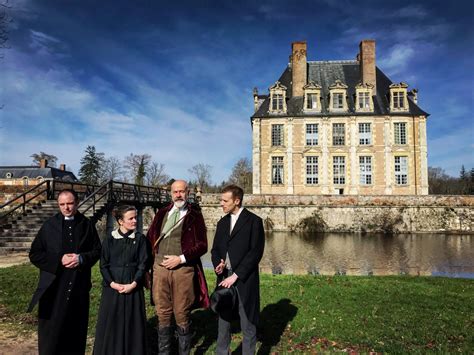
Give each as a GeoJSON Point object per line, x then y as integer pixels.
{"type": "Point", "coordinates": [273, 321]}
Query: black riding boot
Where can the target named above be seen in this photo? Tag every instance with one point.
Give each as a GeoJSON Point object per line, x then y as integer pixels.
{"type": "Point", "coordinates": [164, 340]}
{"type": "Point", "coordinates": [184, 340]}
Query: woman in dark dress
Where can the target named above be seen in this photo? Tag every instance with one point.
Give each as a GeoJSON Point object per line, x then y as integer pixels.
{"type": "Point", "coordinates": [121, 324]}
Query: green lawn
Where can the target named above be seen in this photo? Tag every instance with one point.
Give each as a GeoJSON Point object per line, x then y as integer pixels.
{"type": "Point", "coordinates": [304, 314]}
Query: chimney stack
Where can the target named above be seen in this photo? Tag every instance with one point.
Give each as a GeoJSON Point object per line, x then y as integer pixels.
{"type": "Point", "coordinates": [298, 67]}
{"type": "Point", "coordinates": [367, 63]}
{"type": "Point", "coordinates": [43, 163]}
{"type": "Point", "coordinates": [62, 167]}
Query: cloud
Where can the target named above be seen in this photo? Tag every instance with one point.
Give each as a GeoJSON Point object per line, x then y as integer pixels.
{"type": "Point", "coordinates": [398, 58]}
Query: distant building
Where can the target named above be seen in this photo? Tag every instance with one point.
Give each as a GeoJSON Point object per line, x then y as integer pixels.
{"type": "Point", "coordinates": [33, 175]}
{"type": "Point", "coordinates": [338, 127]}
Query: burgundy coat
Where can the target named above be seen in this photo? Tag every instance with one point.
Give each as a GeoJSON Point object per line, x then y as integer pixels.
{"type": "Point", "coordinates": [193, 245]}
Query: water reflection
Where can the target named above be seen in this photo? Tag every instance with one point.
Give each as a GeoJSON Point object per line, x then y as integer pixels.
{"type": "Point", "coordinates": [353, 254]}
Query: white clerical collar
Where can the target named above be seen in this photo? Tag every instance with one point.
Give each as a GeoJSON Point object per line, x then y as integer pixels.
{"type": "Point", "coordinates": [71, 218]}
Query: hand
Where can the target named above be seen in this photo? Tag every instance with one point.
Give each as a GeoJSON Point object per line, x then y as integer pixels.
{"type": "Point", "coordinates": [171, 261]}
{"type": "Point", "coordinates": [116, 286]}
{"type": "Point", "coordinates": [229, 281]}
{"type": "Point", "coordinates": [219, 268]}
{"type": "Point", "coordinates": [127, 288]}
{"type": "Point", "coordinates": [70, 260]}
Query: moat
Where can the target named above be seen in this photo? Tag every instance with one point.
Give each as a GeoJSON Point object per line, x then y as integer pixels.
{"type": "Point", "coordinates": [368, 254]}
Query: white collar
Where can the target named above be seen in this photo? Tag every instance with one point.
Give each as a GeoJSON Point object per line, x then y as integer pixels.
{"type": "Point", "coordinates": [236, 215]}
{"type": "Point", "coordinates": [117, 235]}
{"type": "Point", "coordinates": [71, 218]}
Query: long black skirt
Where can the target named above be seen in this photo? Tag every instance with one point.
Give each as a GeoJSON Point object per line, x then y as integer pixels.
{"type": "Point", "coordinates": [121, 324]}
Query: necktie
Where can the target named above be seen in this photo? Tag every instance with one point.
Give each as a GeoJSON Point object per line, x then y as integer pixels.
{"type": "Point", "coordinates": [171, 222]}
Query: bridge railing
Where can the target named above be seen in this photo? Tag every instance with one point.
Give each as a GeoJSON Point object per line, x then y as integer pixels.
{"type": "Point", "coordinates": [89, 195]}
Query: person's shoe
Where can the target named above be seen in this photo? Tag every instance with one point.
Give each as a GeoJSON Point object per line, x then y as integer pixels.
{"type": "Point", "coordinates": [164, 340]}
{"type": "Point", "coordinates": [184, 340]}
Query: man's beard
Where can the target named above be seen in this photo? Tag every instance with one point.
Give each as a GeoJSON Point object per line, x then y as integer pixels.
{"type": "Point", "coordinates": [179, 203]}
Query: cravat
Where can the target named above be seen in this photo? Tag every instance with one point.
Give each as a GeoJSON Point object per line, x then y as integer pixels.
{"type": "Point", "coordinates": [171, 222]}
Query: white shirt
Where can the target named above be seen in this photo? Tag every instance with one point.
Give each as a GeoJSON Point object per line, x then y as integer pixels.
{"type": "Point", "coordinates": [234, 217]}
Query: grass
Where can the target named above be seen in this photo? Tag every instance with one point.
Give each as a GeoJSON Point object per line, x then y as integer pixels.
{"type": "Point", "coordinates": [309, 314]}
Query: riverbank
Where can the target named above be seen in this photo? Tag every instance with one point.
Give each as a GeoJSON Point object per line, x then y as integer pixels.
{"type": "Point", "coordinates": [304, 314]}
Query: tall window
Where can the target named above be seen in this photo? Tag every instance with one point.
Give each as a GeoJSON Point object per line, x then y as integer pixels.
{"type": "Point", "coordinates": [365, 169]}
{"type": "Point", "coordinates": [277, 102]}
{"type": "Point", "coordinates": [401, 170]}
{"type": "Point", "coordinates": [338, 134]}
{"type": "Point", "coordinates": [365, 134]}
{"type": "Point", "coordinates": [277, 170]}
{"type": "Point", "coordinates": [312, 134]}
{"type": "Point", "coordinates": [337, 100]}
{"type": "Point", "coordinates": [311, 170]}
{"type": "Point", "coordinates": [277, 135]}
{"type": "Point", "coordinates": [398, 99]}
{"type": "Point", "coordinates": [364, 100]}
{"type": "Point", "coordinates": [339, 170]}
{"type": "Point", "coordinates": [400, 133]}
{"type": "Point", "coordinates": [311, 101]}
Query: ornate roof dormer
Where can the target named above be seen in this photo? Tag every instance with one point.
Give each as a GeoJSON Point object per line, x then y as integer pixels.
{"type": "Point", "coordinates": [364, 101]}
{"type": "Point", "coordinates": [312, 97]}
{"type": "Point", "coordinates": [338, 97]}
{"type": "Point", "coordinates": [398, 97]}
{"type": "Point", "coordinates": [277, 98]}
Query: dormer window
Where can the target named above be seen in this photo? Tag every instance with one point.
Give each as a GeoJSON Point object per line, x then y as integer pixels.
{"type": "Point", "coordinates": [337, 99]}
{"type": "Point", "coordinates": [312, 97]}
{"type": "Point", "coordinates": [364, 102]}
{"type": "Point", "coordinates": [398, 97]}
{"type": "Point", "coordinates": [277, 98]}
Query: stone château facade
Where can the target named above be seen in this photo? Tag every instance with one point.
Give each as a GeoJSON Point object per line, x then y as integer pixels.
{"type": "Point", "coordinates": [338, 127]}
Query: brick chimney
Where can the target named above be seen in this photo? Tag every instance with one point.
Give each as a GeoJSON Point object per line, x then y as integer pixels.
{"type": "Point", "coordinates": [367, 63]}
{"type": "Point", "coordinates": [62, 167]}
{"type": "Point", "coordinates": [298, 67]}
{"type": "Point", "coordinates": [43, 163]}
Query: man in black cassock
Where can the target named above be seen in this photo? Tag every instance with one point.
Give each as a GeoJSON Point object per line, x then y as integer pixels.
{"type": "Point", "coordinates": [65, 249]}
{"type": "Point", "coordinates": [236, 252]}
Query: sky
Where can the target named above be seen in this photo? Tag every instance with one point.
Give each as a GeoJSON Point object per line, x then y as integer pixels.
{"type": "Point", "coordinates": [174, 79]}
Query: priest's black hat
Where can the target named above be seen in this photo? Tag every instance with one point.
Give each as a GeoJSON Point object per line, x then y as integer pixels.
{"type": "Point", "coordinates": [224, 302]}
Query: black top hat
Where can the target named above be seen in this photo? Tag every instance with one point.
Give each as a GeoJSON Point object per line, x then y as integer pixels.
{"type": "Point", "coordinates": [224, 302]}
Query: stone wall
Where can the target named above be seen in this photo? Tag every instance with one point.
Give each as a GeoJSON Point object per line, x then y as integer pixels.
{"type": "Point", "coordinates": [397, 214]}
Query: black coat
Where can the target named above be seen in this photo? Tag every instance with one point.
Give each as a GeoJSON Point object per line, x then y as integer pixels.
{"type": "Point", "coordinates": [58, 287]}
{"type": "Point", "coordinates": [245, 247]}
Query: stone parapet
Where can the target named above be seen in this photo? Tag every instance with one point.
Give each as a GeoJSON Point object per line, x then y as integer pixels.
{"type": "Point", "coordinates": [360, 214]}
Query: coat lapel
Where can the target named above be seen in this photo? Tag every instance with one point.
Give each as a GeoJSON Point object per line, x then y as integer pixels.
{"type": "Point", "coordinates": [241, 221]}
{"type": "Point", "coordinates": [226, 224]}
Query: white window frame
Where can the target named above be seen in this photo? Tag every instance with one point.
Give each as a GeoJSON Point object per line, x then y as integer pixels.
{"type": "Point", "coordinates": [311, 134]}
{"type": "Point", "coordinates": [277, 170]}
{"type": "Point", "coordinates": [400, 133]}
{"type": "Point", "coordinates": [365, 133]}
{"type": "Point", "coordinates": [338, 134]}
{"type": "Point", "coordinates": [399, 97]}
{"type": "Point", "coordinates": [401, 170]}
{"type": "Point", "coordinates": [277, 98]}
{"type": "Point", "coordinates": [365, 170]}
{"type": "Point", "coordinates": [312, 169]}
{"type": "Point", "coordinates": [277, 135]}
{"type": "Point", "coordinates": [339, 170]}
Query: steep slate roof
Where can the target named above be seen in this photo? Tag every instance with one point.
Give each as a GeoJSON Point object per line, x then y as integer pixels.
{"type": "Point", "coordinates": [325, 73]}
{"type": "Point", "coordinates": [33, 172]}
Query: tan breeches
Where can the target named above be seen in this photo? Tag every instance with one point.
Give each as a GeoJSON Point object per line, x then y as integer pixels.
{"type": "Point", "coordinates": [173, 294]}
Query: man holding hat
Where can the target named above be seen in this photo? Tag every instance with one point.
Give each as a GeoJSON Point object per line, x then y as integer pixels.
{"type": "Point", "coordinates": [236, 252]}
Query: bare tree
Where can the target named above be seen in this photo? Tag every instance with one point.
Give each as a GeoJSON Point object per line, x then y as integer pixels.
{"type": "Point", "coordinates": [52, 159]}
{"type": "Point", "coordinates": [112, 169]}
{"type": "Point", "coordinates": [242, 174]}
{"type": "Point", "coordinates": [137, 165]}
{"type": "Point", "coordinates": [156, 175]}
{"type": "Point", "coordinates": [202, 174]}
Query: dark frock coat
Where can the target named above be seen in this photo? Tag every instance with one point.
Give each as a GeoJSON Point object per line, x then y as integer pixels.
{"type": "Point", "coordinates": [193, 246]}
{"type": "Point", "coordinates": [63, 295]}
{"type": "Point", "coordinates": [121, 324]}
{"type": "Point", "coordinates": [245, 247]}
